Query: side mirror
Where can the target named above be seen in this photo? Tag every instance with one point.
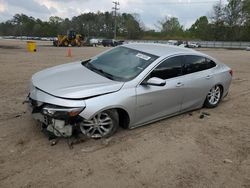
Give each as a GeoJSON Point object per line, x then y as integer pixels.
{"type": "Point", "coordinates": [156, 82]}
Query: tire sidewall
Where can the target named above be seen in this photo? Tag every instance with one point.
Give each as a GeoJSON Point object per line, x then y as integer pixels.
{"type": "Point", "coordinates": [113, 114]}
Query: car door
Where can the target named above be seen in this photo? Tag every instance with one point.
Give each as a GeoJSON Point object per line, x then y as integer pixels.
{"type": "Point", "coordinates": [198, 80]}
{"type": "Point", "coordinates": [153, 102]}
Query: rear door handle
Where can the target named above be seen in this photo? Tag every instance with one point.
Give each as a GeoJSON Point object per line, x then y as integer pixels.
{"type": "Point", "coordinates": [179, 84]}
{"type": "Point", "coordinates": [208, 76]}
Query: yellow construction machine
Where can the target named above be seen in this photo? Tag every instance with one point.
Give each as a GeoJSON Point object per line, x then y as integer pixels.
{"type": "Point", "coordinates": [71, 38]}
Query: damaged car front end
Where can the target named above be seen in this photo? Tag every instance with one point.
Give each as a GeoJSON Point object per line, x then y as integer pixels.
{"type": "Point", "coordinates": [57, 100]}
{"type": "Point", "coordinates": [60, 121]}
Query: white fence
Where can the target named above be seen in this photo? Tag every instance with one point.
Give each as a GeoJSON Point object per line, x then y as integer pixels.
{"type": "Point", "coordinates": [221, 44]}
{"type": "Point", "coordinates": [206, 44]}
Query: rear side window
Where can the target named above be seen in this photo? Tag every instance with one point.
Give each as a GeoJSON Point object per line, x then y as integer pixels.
{"type": "Point", "coordinates": [196, 64]}
{"type": "Point", "coordinates": [170, 68]}
{"type": "Point", "coordinates": [210, 63]}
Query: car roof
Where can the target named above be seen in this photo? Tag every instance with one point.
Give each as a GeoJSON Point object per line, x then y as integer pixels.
{"type": "Point", "coordinates": [160, 49]}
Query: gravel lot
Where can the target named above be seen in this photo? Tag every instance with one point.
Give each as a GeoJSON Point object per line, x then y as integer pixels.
{"type": "Point", "coordinates": [183, 151]}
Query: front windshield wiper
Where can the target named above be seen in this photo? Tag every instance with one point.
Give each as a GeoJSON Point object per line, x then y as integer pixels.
{"type": "Point", "coordinates": [93, 68]}
{"type": "Point", "coordinates": [84, 62]}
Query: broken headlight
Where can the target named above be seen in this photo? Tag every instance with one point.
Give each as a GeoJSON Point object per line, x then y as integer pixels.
{"type": "Point", "coordinates": [58, 112]}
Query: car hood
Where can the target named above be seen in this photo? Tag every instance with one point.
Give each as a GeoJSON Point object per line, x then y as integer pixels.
{"type": "Point", "coordinates": [74, 81]}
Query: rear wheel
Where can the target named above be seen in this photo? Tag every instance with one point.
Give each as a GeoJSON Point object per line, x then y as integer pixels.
{"type": "Point", "coordinates": [104, 124]}
{"type": "Point", "coordinates": [213, 97]}
{"type": "Point", "coordinates": [55, 43]}
{"type": "Point", "coordinates": [79, 44]}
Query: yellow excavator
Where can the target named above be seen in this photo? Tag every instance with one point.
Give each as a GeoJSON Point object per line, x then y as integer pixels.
{"type": "Point", "coordinates": [71, 38]}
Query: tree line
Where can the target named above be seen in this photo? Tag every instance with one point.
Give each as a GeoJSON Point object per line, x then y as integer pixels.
{"type": "Point", "coordinates": [89, 24]}
{"type": "Point", "coordinates": [229, 22]}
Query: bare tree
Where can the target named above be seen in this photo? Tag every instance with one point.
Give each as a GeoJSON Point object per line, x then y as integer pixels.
{"type": "Point", "coordinates": [234, 15]}
{"type": "Point", "coordinates": [218, 13]}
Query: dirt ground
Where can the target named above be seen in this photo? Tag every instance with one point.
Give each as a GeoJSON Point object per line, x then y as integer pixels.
{"type": "Point", "coordinates": [182, 151]}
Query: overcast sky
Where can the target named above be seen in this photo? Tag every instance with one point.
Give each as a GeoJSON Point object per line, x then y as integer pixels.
{"type": "Point", "coordinates": [150, 11]}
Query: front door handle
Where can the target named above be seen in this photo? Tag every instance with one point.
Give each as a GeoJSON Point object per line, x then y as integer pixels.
{"type": "Point", "coordinates": [179, 84]}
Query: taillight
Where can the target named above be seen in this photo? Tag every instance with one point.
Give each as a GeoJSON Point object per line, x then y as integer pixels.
{"type": "Point", "coordinates": [231, 72]}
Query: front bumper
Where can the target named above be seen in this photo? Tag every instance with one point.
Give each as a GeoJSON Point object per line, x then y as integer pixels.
{"type": "Point", "coordinates": [62, 127]}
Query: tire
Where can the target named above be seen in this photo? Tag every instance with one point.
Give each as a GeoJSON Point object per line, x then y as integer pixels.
{"type": "Point", "coordinates": [79, 44]}
{"type": "Point", "coordinates": [73, 43]}
{"type": "Point", "coordinates": [102, 125]}
{"type": "Point", "coordinates": [214, 96]}
{"type": "Point", "coordinates": [55, 43]}
{"type": "Point", "coordinates": [66, 43]}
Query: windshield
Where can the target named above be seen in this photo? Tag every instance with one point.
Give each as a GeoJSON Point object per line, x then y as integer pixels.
{"type": "Point", "coordinates": [121, 63]}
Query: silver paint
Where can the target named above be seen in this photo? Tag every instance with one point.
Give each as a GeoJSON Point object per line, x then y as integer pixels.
{"type": "Point", "coordinates": [73, 85]}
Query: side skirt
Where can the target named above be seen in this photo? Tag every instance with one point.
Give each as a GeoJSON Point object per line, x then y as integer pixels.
{"type": "Point", "coordinates": [164, 117]}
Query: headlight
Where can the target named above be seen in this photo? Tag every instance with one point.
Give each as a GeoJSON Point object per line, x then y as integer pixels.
{"type": "Point", "coordinates": [61, 112]}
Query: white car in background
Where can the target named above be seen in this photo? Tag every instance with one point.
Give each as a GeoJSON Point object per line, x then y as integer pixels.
{"type": "Point", "coordinates": [172, 42]}
{"type": "Point", "coordinates": [93, 42]}
{"type": "Point", "coordinates": [248, 48]}
{"type": "Point", "coordinates": [183, 45]}
{"type": "Point", "coordinates": [46, 38]}
{"type": "Point", "coordinates": [193, 45]}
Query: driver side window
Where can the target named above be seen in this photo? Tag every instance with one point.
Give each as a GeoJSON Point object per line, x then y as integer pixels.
{"type": "Point", "coordinates": [170, 68]}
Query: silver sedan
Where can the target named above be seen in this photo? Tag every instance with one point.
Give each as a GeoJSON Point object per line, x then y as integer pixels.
{"type": "Point", "coordinates": [128, 86]}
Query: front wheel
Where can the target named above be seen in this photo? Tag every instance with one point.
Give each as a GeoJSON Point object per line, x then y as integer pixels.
{"type": "Point", "coordinates": [104, 124]}
{"type": "Point", "coordinates": [213, 97]}
{"type": "Point", "coordinates": [66, 43]}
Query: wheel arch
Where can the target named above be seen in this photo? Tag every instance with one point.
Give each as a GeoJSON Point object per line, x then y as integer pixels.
{"type": "Point", "coordinates": [222, 92]}
{"type": "Point", "coordinates": [221, 86]}
{"type": "Point", "coordinates": [124, 116]}
{"type": "Point", "coordinates": [222, 89]}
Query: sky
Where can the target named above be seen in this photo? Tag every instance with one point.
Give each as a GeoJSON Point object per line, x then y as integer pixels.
{"type": "Point", "coordinates": [150, 11]}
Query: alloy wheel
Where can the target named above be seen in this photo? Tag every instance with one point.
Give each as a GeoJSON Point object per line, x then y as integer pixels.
{"type": "Point", "coordinates": [214, 95]}
{"type": "Point", "coordinates": [99, 126]}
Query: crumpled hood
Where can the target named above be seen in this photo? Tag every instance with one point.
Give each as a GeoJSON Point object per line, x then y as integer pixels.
{"type": "Point", "coordinates": [73, 81]}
